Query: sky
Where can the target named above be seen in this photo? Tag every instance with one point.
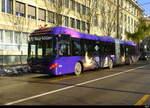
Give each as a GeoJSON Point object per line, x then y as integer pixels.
{"type": "Point", "coordinates": [145, 4]}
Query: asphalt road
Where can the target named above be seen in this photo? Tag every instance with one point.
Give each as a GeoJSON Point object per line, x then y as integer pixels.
{"type": "Point", "coordinates": [123, 85]}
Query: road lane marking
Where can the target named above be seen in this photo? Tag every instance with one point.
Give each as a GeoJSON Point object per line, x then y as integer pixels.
{"type": "Point", "coordinates": [64, 78]}
{"type": "Point", "coordinates": [142, 100]}
{"type": "Point", "coordinates": [55, 79]}
{"type": "Point", "coordinates": [69, 87]}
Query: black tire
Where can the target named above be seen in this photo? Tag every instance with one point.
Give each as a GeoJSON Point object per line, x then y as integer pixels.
{"type": "Point", "coordinates": [128, 61]}
{"type": "Point", "coordinates": [78, 68]}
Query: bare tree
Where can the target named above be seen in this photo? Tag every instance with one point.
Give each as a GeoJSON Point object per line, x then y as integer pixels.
{"type": "Point", "coordinates": [108, 13]}
{"type": "Point", "coordinates": [102, 14]}
{"type": "Point", "coordinates": [90, 13]}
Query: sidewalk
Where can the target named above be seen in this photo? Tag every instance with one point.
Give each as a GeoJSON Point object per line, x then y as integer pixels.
{"type": "Point", "coordinates": [13, 70]}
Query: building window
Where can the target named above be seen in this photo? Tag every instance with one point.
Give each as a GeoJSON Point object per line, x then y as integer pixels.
{"type": "Point", "coordinates": [66, 3]}
{"type": "Point", "coordinates": [78, 7]}
{"type": "Point", "coordinates": [54, 1]}
{"type": "Point", "coordinates": [51, 1]}
{"type": "Point", "coordinates": [24, 39]}
{"type": "Point", "coordinates": [95, 21]}
{"type": "Point", "coordinates": [72, 22]}
{"type": "Point", "coordinates": [42, 15]}
{"type": "Point", "coordinates": [17, 37]}
{"type": "Point", "coordinates": [128, 20]}
{"type": "Point", "coordinates": [83, 26]}
{"type": "Point", "coordinates": [31, 12]}
{"type": "Point", "coordinates": [66, 21]}
{"type": "Point", "coordinates": [83, 10]}
{"type": "Point", "coordinates": [20, 9]}
{"type": "Point", "coordinates": [88, 27]}
{"type": "Point", "coordinates": [51, 17]}
{"type": "Point", "coordinates": [7, 6]}
{"type": "Point", "coordinates": [8, 36]}
{"type": "Point", "coordinates": [125, 18]}
{"type": "Point", "coordinates": [87, 11]}
{"type": "Point", "coordinates": [59, 19]}
{"type": "Point", "coordinates": [72, 4]}
{"type": "Point", "coordinates": [114, 28]}
{"type": "Point", "coordinates": [59, 2]}
{"type": "Point", "coordinates": [78, 24]}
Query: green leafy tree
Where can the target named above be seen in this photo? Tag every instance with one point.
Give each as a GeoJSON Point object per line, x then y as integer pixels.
{"type": "Point", "coordinates": [143, 30]}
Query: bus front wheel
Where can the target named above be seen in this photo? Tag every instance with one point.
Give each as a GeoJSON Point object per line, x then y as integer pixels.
{"type": "Point", "coordinates": [78, 68]}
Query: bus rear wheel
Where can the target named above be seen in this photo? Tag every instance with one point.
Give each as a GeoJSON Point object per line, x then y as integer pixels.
{"type": "Point", "coordinates": [78, 68]}
{"type": "Point", "coordinates": [129, 61]}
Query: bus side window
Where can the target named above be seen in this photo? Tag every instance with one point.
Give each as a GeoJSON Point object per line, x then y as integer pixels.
{"type": "Point", "coordinates": [84, 46]}
{"type": "Point", "coordinates": [82, 43]}
{"type": "Point", "coordinates": [105, 49]}
{"type": "Point", "coordinates": [122, 49]}
{"type": "Point", "coordinates": [96, 49]}
{"type": "Point", "coordinates": [113, 48]}
{"type": "Point", "coordinates": [64, 49]}
{"type": "Point", "coordinates": [127, 51]}
{"type": "Point", "coordinates": [76, 48]}
{"type": "Point", "coordinates": [101, 48]}
{"type": "Point", "coordinates": [89, 47]}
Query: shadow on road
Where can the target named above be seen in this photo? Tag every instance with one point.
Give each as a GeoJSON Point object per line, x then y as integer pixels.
{"type": "Point", "coordinates": [85, 86]}
{"type": "Point", "coordinates": [42, 79]}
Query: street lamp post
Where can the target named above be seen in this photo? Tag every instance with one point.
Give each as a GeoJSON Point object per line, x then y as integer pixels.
{"type": "Point", "coordinates": [118, 19]}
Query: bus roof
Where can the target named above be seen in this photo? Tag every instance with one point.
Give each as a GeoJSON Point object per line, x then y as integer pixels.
{"type": "Point", "coordinates": [130, 43]}
{"type": "Point", "coordinates": [76, 34]}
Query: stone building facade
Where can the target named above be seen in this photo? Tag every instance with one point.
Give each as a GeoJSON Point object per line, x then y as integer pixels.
{"type": "Point", "coordinates": [18, 18]}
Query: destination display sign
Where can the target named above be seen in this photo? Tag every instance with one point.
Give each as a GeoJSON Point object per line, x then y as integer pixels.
{"type": "Point", "coordinates": [40, 38]}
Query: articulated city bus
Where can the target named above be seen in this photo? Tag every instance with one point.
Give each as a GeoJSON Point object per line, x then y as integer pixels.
{"type": "Point", "coordinates": [61, 50]}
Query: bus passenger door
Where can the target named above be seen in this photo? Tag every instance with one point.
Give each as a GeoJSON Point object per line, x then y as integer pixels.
{"type": "Point", "coordinates": [63, 59]}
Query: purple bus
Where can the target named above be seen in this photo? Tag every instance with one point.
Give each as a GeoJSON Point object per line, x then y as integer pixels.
{"type": "Point", "coordinates": [61, 50]}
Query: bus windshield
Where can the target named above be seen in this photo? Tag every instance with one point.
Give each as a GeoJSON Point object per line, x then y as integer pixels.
{"type": "Point", "coordinates": [42, 49]}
